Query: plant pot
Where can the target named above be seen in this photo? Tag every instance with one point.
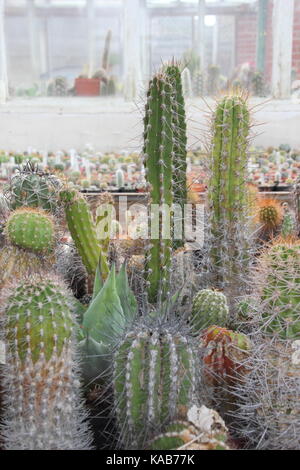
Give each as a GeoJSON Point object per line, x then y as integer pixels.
{"type": "Point", "coordinates": [87, 86]}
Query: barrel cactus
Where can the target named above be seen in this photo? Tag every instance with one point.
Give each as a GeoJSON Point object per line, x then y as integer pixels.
{"type": "Point", "coordinates": [31, 229]}
{"type": "Point", "coordinates": [269, 215]}
{"type": "Point", "coordinates": [42, 400]}
{"type": "Point", "coordinates": [154, 381]}
{"type": "Point", "coordinates": [209, 308]}
{"type": "Point", "coordinates": [31, 187]}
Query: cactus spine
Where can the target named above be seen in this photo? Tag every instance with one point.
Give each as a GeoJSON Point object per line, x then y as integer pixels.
{"type": "Point", "coordinates": [157, 157]}
{"type": "Point", "coordinates": [42, 403]}
{"type": "Point", "coordinates": [209, 308]}
{"type": "Point", "coordinates": [228, 244]}
{"type": "Point", "coordinates": [154, 381]}
{"type": "Point", "coordinates": [83, 230]}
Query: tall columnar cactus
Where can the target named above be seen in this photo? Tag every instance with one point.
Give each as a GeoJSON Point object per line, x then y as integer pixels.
{"type": "Point", "coordinates": [157, 158]}
{"type": "Point", "coordinates": [228, 243]}
{"type": "Point", "coordinates": [277, 289]}
{"type": "Point", "coordinates": [33, 188]}
{"type": "Point", "coordinates": [31, 229]}
{"type": "Point", "coordinates": [120, 178]}
{"type": "Point", "coordinates": [42, 400]}
{"type": "Point", "coordinates": [154, 382]}
{"type": "Point", "coordinates": [83, 230]}
{"type": "Point", "coordinates": [209, 308]}
{"type": "Point", "coordinates": [179, 149]}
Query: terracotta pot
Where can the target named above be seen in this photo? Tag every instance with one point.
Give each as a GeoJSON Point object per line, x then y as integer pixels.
{"type": "Point", "coordinates": [87, 86]}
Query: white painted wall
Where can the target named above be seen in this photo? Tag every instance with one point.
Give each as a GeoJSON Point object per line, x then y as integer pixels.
{"type": "Point", "coordinates": [113, 125]}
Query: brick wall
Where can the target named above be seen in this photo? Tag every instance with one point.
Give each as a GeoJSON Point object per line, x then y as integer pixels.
{"type": "Point", "coordinates": [246, 33]}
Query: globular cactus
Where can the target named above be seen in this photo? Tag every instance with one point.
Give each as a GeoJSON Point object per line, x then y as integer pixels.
{"type": "Point", "coordinates": [203, 429]}
{"type": "Point", "coordinates": [31, 229]}
{"type": "Point", "coordinates": [33, 188]}
{"type": "Point", "coordinates": [269, 215]}
{"type": "Point", "coordinates": [179, 169]}
{"type": "Point", "coordinates": [42, 406]}
{"type": "Point", "coordinates": [228, 252]}
{"type": "Point", "coordinates": [276, 294]}
{"type": "Point", "coordinates": [209, 308]}
{"type": "Point", "coordinates": [83, 230]}
{"type": "Point", "coordinates": [157, 158]}
{"type": "Point", "coordinates": [154, 381]}
{"type": "Point", "coordinates": [269, 398]}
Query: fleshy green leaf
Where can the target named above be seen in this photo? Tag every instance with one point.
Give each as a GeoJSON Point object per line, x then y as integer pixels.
{"type": "Point", "coordinates": [95, 360]}
{"type": "Point", "coordinates": [127, 298]}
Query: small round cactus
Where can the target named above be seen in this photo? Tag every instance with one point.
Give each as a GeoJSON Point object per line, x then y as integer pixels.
{"type": "Point", "coordinates": [31, 229]}
{"type": "Point", "coordinates": [269, 214]}
{"type": "Point", "coordinates": [209, 308]}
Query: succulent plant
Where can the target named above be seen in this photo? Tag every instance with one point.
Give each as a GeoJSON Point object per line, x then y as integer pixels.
{"type": "Point", "coordinates": [31, 229]}
{"type": "Point", "coordinates": [288, 226]}
{"type": "Point", "coordinates": [154, 381]}
{"type": "Point", "coordinates": [42, 402]}
{"type": "Point", "coordinates": [203, 429]}
{"type": "Point", "coordinates": [83, 230]}
{"type": "Point", "coordinates": [228, 252]}
{"type": "Point", "coordinates": [33, 188]}
{"type": "Point", "coordinates": [209, 308]}
{"type": "Point", "coordinates": [269, 215]}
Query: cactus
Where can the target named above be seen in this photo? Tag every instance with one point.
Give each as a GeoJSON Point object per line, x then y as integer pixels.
{"type": "Point", "coordinates": [33, 188]}
{"type": "Point", "coordinates": [154, 381]}
{"type": "Point", "coordinates": [277, 289]}
{"type": "Point", "coordinates": [198, 85]}
{"type": "Point", "coordinates": [120, 178]}
{"type": "Point", "coordinates": [42, 400]}
{"type": "Point", "coordinates": [83, 230]}
{"type": "Point", "coordinates": [258, 84]}
{"type": "Point", "coordinates": [228, 253]}
{"type": "Point", "coordinates": [179, 149]}
{"type": "Point", "coordinates": [157, 158]}
{"type": "Point", "coordinates": [269, 214]}
{"type": "Point", "coordinates": [288, 227]}
{"type": "Point", "coordinates": [213, 79]}
{"type": "Point", "coordinates": [203, 429]}
{"type": "Point", "coordinates": [31, 229]}
{"type": "Point", "coordinates": [269, 398]}
{"type": "Point", "coordinates": [58, 87]}
{"type": "Point", "coordinates": [209, 308]}
{"type": "Point", "coordinates": [187, 88]}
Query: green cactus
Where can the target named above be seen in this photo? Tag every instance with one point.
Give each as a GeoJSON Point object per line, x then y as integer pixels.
{"type": "Point", "coordinates": [228, 238]}
{"type": "Point", "coordinates": [83, 230]}
{"type": "Point", "coordinates": [209, 308]}
{"type": "Point", "coordinates": [179, 149]}
{"type": "Point", "coordinates": [33, 188]}
{"type": "Point", "coordinates": [120, 178]}
{"type": "Point", "coordinates": [154, 381]}
{"type": "Point", "coordinates": [278, 287]}
{"type": "Point", "coordinates": [157, 157]}
{"type": "Point", "coordinates": [31, 229]}
{"type": "Point", "coordinates": [42, 400]}
{"type": "Point", "coordinates": [288, 227]}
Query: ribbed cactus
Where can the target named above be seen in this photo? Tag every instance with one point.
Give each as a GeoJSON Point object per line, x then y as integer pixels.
{"type": "Point", "coordinates": [269, 215]}
{"type": "Point", "coordinates": [42, 400]}
{"type": "Point", "coordinates": [31, 229]}
{"type": "Point", "coordinates": [157, 158]}
{"type": "Point", "coordinates": [288, 226]}
{"type": "Point", "coordinates": [269, 398]}
{"type": "Point", "coordinates": [120, 178]}
{"type": "Point", "coordinates": [203, 429]}
{"type": "Point", "coordinates": [227, 238]}
{"type": "Point", "coordinates": [277, 289]}
{"type": "Point", "coordinates": [209, 308]}
{"type": "Point", "coordinates": [83, 230]}
{"type": "Point", "coordinates": [33, 188]}
{"type": "Point", "coordinates": [179, 149]}
{"type": "Point", "coordinates": [154, 381]}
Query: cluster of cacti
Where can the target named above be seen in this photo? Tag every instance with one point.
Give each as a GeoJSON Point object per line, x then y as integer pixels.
{"type": "Point", "coordinates": [228, 242]}
{"type": "Point", "coordinates": [33, 188]}
{"type": "Point", "coordinates": [203, 429]}
{"type": "Point", "coordinates": [58, 87]}
{"type": "Point", "coordinates": [209, 308]}
{"type": "Point", "coordinates": [154, 381]}
{"type": "Point", "coordinates": [43, 408]}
